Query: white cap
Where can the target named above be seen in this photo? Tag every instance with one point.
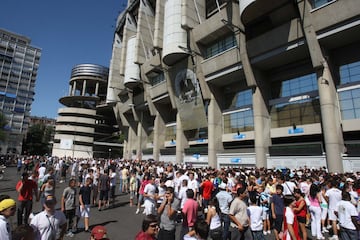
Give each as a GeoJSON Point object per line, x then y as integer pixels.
{"type": "Point", "coordinates": [350, 180]}
{"type": "Point", "coordinates": [222, 185]}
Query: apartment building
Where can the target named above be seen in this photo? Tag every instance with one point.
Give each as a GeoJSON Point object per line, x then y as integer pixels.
{"type": "Point", "coordinates": [239, 83]}
{"type": "Point", "coordinates": [19, 64]}
{"type": "Point", "coordinates": [86, 124]}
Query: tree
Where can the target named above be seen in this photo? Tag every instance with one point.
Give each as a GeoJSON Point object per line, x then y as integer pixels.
{"type": "Point", "coordinates": [37, 139]}
{"type": "Point", "coordinates": [3, 123]}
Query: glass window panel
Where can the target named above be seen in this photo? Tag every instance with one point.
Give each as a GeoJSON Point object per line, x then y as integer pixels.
{"type": "Point", "coordinates": [346, 104]}
{"type": "Point", "coordinates": [348, 114]}
{"type": "Point", "coordinates": [357, 113]}
{"type": "Point", "coordinates": [345, 95]}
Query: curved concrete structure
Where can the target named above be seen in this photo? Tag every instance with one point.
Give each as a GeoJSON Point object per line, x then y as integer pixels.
{"type": "Point", "coordinates": [174, 34]}
{"type": "Point", "coordinates": [80, 123]}
{"type": "Point", "coordinates": [132, 70]}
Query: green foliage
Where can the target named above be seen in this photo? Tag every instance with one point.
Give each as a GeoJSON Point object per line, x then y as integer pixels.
{"type": "Point", "coordinates": [37, 140]}
{"type": "Point", "coordinates": [3, 123]}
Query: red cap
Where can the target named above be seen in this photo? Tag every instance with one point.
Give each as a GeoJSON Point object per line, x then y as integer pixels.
{"type": "Point", "coordinates": [99, 232]}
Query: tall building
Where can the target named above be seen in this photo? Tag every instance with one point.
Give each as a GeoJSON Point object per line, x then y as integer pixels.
{"type": "Point", "coordinates": [86, 126]}
{"type": "Point", "coordinates": [239, 83]}
{"type": "Point", "coordinates": [19, 64]}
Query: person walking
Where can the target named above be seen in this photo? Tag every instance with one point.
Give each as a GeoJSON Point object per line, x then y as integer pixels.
{"type": "Point", "coordinates": [50, 224]}
{"type": "Point", "coordinates": [85, 202]}
{"type": "Point", "coordinates": [214, 220]}
{"type": "Point", "coordinates": [26, 189]}
{"type": "Point", "coordinates": [68, 206]}
{"type": "Point", "coordinates": [104, 187]}
{"type": "Point", "coordinates": [333, 196]}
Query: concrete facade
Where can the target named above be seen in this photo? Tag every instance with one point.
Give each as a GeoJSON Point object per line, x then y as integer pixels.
{"type": "Point", "coordinates": [240, 83]}
{"type": "Point", "coordinates": [19, 64]}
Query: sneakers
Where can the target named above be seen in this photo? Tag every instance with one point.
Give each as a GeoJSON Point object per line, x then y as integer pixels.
{"type": "Point", "coordinates": [265, 233]}
{"type": "Point", "coordinates": [324, 230]}
{"type": "Point", "coordinates": [334, 237]}
{"type": "Point", "coordinates": [269, 232]}
{"type": "Point", "coordinates": [137, 211]}
{"type": "Point", "coordinates": [69, 234]}
{"type": "Point", "coordinates": [328, 227]}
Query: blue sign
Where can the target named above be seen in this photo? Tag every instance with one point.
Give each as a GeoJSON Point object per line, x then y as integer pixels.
{"type": "Point", "coordinates": [196, 155]}
{"type": "Point", "coordinates": [200, 140]}
{"type": "Point", "coordinates": [239, 136]}
{"type": "Point", "coordinates": [172, 142]}
{"type": "Point", "coordinates": [295, 131]}
{"type": "Point", "coordinates": [236, 160]}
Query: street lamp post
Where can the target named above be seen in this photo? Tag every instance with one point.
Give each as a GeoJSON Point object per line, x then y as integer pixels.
{"type": "Point", "coordinates": [109, 153]}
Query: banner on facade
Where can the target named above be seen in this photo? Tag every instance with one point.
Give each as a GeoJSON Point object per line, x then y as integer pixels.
{"type": "Point", "coordinates": [188, 97]}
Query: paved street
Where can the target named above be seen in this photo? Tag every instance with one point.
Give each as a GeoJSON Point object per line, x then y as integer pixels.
{"type": "Point", "coordinates": [120, 221]}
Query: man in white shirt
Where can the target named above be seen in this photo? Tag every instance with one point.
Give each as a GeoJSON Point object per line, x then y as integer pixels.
{"type": "Point", "coordinates": [150, 196]}
{"type": "Point", "coordinates": [50, 223]}
{"type": "Point", "coordinates": [333, 196]}
{"type": "Point", "coordinates": [182, 193]}
{"type": "Point", "coordinates": [289, 186]}
{"type": "Point", "coordinates": [347, 215]}
{"type": "Point", "coordinates": [193, 183]}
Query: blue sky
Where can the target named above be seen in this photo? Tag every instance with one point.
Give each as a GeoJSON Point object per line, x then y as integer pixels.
{"type": "Point", "coordinates": [69, 32]}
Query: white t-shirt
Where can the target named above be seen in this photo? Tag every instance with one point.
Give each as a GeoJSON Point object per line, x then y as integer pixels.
{"type": "Point", "coordinates": [42, 171]}
{"type": "Point", "coordinates": [255, 214]}
{"type": "Point", "coordinates": [345, 211]}
{"type": "Point", "coordinates": [113, 179]}
{"type": "Point", "coordinates": [3, 228]}
{"type": "Point", "coordinates": [334, 196]}
{"type": "Point", "coordinates": [289, 216]}
{"type": "Point", "coordinates": [46, 225]}
{"type": "Point", "coordinates": [193, 184]}
{"type": "Point", "coordinates": [151, 190]}
{"type": "Point", "coordinates": [182, 196]}
{"type": "Point", "coordinates": [288, 188]}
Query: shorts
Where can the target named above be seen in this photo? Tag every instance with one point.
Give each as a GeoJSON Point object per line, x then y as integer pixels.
{"type": "Point", "coordinates": [104, 195]}
{"type": "Point", "coordinates": [266, 215]}
{"type": "Point", "coordinates": [149, 208]}
{"type": "Point", "coordinates": [85, 212]}
{"type": "Point", "coordinates": [301, 219]}
{"type": "Point", "coordinates": [324, 212]}
{"type": "Point", "coordinates": [331, 214]}
{"type": "Point", "coordinates": [132, 194]}
{"type": "Point", "coordinates": [278, 221]}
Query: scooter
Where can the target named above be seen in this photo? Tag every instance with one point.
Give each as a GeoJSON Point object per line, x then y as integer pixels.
{"type": "Point", "coordinates": [2, 172]}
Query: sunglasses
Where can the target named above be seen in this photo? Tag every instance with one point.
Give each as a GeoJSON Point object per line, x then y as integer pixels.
{"type": "Point", "coordinates": [153, 225]}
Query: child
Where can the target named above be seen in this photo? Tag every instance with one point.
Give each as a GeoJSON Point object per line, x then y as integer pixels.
{"type": "Point", "coordinates": [264, 202]}
{"type": "Point", "coordinates": [277, 210]}
{"type": "Point", "coordinates": [291, 227]}
{"type": "Point", "coordinates": [255, 213]}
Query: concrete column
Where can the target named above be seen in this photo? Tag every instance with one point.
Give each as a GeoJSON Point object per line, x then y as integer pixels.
{"type": "Point", "coordinates": [96, 88]}
{"type": "Point", "coordinates": [159, 135]}
{"type": "Point", "coordinates": [262, 124]}
{"type": "Point", "coordinates": [131, 142]}
{"type": "Point", "coordinates": [330, 117]}
{"type": "Point", "coordinates": [73, 88]}
{"type": "Point", "coordinates": [70, 90]}
{"type": "Point", "coordinates": [83, 88]}
{"type": "Point", "coordinates": [181, 141]}
{"type": "Point", "coordinates": [215, 128]}
{"type": "Point", "coordinates": [329, 105]}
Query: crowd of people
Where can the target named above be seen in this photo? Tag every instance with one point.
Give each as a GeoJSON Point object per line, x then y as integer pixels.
{"type": "Point", "coordinates": [204, 203]}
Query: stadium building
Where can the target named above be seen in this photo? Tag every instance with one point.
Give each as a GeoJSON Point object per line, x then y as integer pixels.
{"type": "Point", "coordinates": [239, 83]}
